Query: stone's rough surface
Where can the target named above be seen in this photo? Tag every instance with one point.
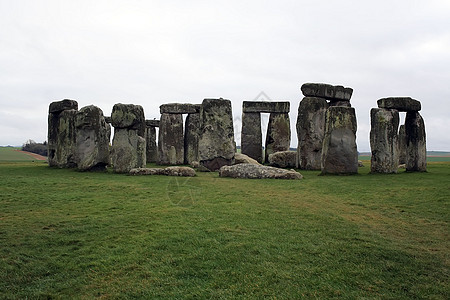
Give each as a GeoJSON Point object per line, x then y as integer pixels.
{"type": "Point", "coordinates": [128, 150]}
{"type": "Point", "coordinates": [327, 91]}
{"type": "Point", "coordinates": [251, 136]}
{"type": "Point", "coordinates": [402, 145]}
{"type": "Point", "coordinates": [169, 171]}
{"type": "Point", "coordinates": [171, 143]}
{"type": "Point", "coordinates": [384, 140]}
{"type": "Point", "coordinates": [266, 107]}
{"type": "Point", "coordinates": [283, 159]}
{"type": "Point", "coordinates": [92, 139]}
{"type": "Point", "coordinates": [339, 153]}
{"type": "Point", "coordinates": [340, 103]}
{"type": "Point", "coordinates": [310, 132]}
{"type": "Point", "coordinates": [152, 147]}
{"type": "Point", "coordinates": [240, 158]}
{"type": "Point", "coordinates": [62, 139]}
{"type": "Point", "coordinates": [59, 106]}
{"type": "Point", "coordinates": [108, 120]}
{"type": "Point", "coordinates": [152, 123]}
{"type": "Point", "coordinates": [216, 143]}
{"type": "Point", "coordinates": [191, 137]}
{"type": "Point", "coordinates": [416, 150]}
{"type": "Point", "coordinates": [257, 172]}
{"type": "Point", "coordinates": [278, 136]}
{"type": "Point", "coordinates": [129, 116]}
{"type": "Point", "coordinates": [179, 108]}
{"type": "Point", "coordinates": [400, 104]}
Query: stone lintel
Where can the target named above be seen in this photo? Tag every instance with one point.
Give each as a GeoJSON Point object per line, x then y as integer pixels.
{"type": "Point", "coordinates": [327, 91]}
{"type": "Point", "coordinates": [404, 104]}
{"type": "Point", "coordinates": [59, 106]}
{"type": "Point", "coordinates": [152, 123]}
{"type": "Point", "coordinates": [266, 106]}
{"type": "Point", "coordinates": [179, 108]}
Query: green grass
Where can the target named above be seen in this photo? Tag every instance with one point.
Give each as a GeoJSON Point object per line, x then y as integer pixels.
{"type": "Point", "coordinates": [67, 234]}
{"type": "Point", "coordinates": [9, 154]}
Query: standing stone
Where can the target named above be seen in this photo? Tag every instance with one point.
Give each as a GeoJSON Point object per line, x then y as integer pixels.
{"type": "Point", "coordinates": [216, 146]}
{"type": "Point", "coordinates": [128, 150]}
{"type": "Point", "coordinates": [152, 148]}
{"type": "Point", "coordinates": [61, 134]}
{"type": "Point", "coordinates": [92, 139]}
{"type": "Point", "coordinates": [129, 116]}
{"type": "Point", "coordinates": [251, 137]}
{"type": "Point", "coordinates": [384, 140]}
{"type": "Point", "coordinates": [339, 152]}
{"type": "Point", "coordinates": [402, 145]}
{"type": "Point", "coordinates": [416, 150]}
{"type": "Point", "coordinates": [278, 136]}
{"type": "Point", "coordinates": [191, 137]}
{"type": "Point", "coordinates": [170, 142]}
{"type": "Point", "coordinates": [310, 132]}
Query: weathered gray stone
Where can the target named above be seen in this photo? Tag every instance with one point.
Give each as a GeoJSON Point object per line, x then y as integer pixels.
{"type": "Point", "coordinates": [240, 158]}
{"type": "Point", "coordinates": [66, 104]}
{"type": "Point", "coordinates": [92, 139]}
{"type": "Point", "coordinates": [152, 147]}
{"type": "Point", "coordinates": [129, 116]}
{"type": "Point", "coordinates": [191, 137]}
{"type": "Point", "coordinates": [251, 136]}
{"type": "Point", "coordinates": [384, 140]}
{"type": "Point", "coordinates": [108, 120]}
{"type": "Point", "coordinates": [128, 150]}
{"type": "Point", "coordinates": [152, 123]}
{"type": "Point", "coordinates": [416, 149]}
{"type": "Point", "coordinates": [340, 103]}
{"type": "Point", "coordinates": [257, 172]}
{"type": "Point", "coordinates": [310, 132]}
{"type": "Point", "coordinates": [278, 136]}
{"type": "Point", "coordinates": [179, 108]}
{"type": "Point", "coordinates": [402, 145]}
{"type": "Point", "coordinates": [283, 159]}
{"type": "Point", "coordinates": [327, 91]}
{"type": "Point", "coordinates": [171, 141]}
{"type": "Point", "coordinates": [169, 171]}
{"type": "Point", "coordinates": [62, 139]}
{"type": "Point", "coordinates": [339, 152]}
{"type": "Point", "coordinates": [216, 144]}
{"type": "Point", "coordinates": [400, 103]}
{"type": "Point", "coordinates": [265, 107]}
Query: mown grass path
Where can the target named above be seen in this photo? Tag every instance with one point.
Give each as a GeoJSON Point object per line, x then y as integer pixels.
{"type": "Point", "coordinates": [84, 235]}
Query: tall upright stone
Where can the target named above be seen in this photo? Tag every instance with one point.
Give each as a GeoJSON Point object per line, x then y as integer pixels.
{"type": "Point", "coordinates": [216, 146]}
{"type": "Point", "coordinates": [152, 147]}
{"type": "Point", "coordinates": [402, 145]}
{"type": "Point", "coordinates": [251, 136]}
{"type": "Point", "coordinates": [339, 152]}
{"type": "Point", "coordinates": [416, 150]}
{"type": "Point", "coordinates": [278, 136]}
{"type": "Point", "coordinates": [61, 134]}
{"type": "Point", "coordinates": [129, 145]}
{"type": "Point", "coordinates": [310, 132]}
{"type": "Point", "coordinates": [171, 142]}
{"type": "Point", "coordinates": [384, 140]}
{"type": "Point", "coordinates": [191, 138]}
{"type": "Point", "coordinates": [92, 139]}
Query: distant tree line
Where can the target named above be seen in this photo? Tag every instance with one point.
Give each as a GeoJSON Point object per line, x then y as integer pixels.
{"type": "Point", "coordinates": [38, 148]}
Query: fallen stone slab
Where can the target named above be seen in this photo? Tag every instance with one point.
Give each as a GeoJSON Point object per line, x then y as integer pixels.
{"type": "Point", "coordinates": [252, 171]}
{"type": "Point", "coordinates": [59, 106]}
{"type": "Point", "coordinates": [327, 91]}
{"type": "Point", "coordinates": [283, 159]}
{"type": "Point", "coordinates": [179, 108]}
{"type": "Point", "coordinates": [240, 158]}
{"type": "Point", "coordinates": [169, 171]}
{"type": "Point", "coordinates": [266, 106]}
{"type": "Point", "coordinates": [404, 104]}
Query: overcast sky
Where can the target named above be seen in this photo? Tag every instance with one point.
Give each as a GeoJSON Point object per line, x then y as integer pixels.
{"type": "Point", "coordinates": [156, 52]}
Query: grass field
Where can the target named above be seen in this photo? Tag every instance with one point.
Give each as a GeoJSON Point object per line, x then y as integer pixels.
{"type": "Point", "coordinates": [9, 154]}
{"type": "Point", "coordinates": [67, 234]}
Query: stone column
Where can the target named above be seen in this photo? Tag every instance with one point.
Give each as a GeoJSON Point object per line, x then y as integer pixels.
{"type": "Point", "coordinates": [339, 152]}
{"type": "Point", "coordinates": [278, 136]}
{"type": "Point", "coordinates": [251, 136]}
{"type": "Point", "coordinates": [92, 136]}
{"type": "Point", "coordinates": [416, 150]}
{"type": "Point", "coordinates": [310, 132]}
{"type": "Point", "coordinates": [171, 142]}
{"type": "Point", "coordinates": [152, 147]}
{"type": "Point", "coordinates": [61, 134]}
{"type": "Point", "coordinates": [191, 137]}
{"type": "Point", "coordinates": [402, 145]}
{"type": "Point", "coordinates": [216, 146]}
{"type": "Point", "coordinates": [384, 140]}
